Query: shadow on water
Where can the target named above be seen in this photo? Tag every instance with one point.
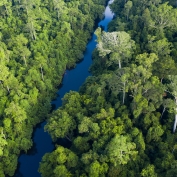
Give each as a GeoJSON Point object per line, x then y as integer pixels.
{"type": "Point", "coordinates": [64, 142]}
{"type": "Point", "coordinates": [33, 150]}
{"type": "Point", "coordinates": [19, 175]}
{"type": "Point", "coordinates": [28, 164]}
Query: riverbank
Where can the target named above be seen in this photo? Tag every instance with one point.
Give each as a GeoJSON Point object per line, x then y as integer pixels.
{"type": "Point", "coordinates": [45, 143]}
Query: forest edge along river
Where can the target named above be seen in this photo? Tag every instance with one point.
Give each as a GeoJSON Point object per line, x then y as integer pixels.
{"type": "Point", "coordinates": [28, 164]}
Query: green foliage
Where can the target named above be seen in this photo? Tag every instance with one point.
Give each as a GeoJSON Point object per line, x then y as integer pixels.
{"type": "Point", "coordinates": [148, 171]}
{"type": "Point", "coordinates": [119, 150]}
{"type": "Point", "coordinates": [39, 40]}
{"type": "Point", "coordinates": [57, 163]}
{"type": "Point", "coordinates": [163, 16]}
{"type": "Point", "coordinates": [119, 44]}
{"type": "Point", "coordinates": [60, 124]}
{"type": "Point", "coordinates": [120, 122]}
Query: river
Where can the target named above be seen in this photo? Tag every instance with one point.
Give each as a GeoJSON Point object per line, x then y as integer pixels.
{"type": "Point", "coordinates": [29, 163]}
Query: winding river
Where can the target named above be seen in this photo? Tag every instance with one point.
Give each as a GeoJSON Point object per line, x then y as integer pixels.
{"type": "Point", "coordinates": [73, 79]}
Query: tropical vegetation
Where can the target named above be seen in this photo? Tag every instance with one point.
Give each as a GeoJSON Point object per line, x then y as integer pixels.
{"type": "Point", "coordinates": [39, 39]}
{"type": "Point", "coordinates": [122, 122]}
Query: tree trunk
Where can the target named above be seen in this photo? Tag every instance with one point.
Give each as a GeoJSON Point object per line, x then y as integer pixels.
{"type": "Point", "coordinates": [3, 134]}
{"type": "Point", "coordinates": [123, 100]}
{"type": "Point", "coordinates": [161, 80]}
{"type": "Point", "coordinates": [42, 73]}
{"type": "Point", "coordinates": [8, 89]}
{"type": "Point", "coordinates": [119, 64]}
{"type": "Point", "coordinates": [24, 60]}
{"type": "Point", "coordinates": [33, 31]}
{"type": "Point", "coordinates": [175, 123]}
{"type": "Point", "coordinates": [163, 112]}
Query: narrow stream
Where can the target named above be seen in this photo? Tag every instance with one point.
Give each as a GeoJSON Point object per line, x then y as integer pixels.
{"type": "Point", "coordinates": [73, 79]}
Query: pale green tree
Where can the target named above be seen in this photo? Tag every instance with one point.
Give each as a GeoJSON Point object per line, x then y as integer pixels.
{"type": "Point", "coordinates": [118, 44]}
{"type": "Point", "coordinates": [120, 150]}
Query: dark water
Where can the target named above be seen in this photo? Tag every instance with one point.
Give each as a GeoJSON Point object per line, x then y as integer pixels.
{"type": "Point", "coordinates": [73, 79]}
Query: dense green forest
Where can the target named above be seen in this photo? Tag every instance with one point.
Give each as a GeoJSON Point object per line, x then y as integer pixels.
{"type": "Point", "coordinates": [122, 121]}
{"type": "Point", "coordinates": [39, 39]}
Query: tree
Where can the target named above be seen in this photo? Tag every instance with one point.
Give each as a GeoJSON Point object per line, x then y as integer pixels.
{"type": "Point", "coordinates": [7, 6]}
{"type": "Point", "coordinates": [30, 26]}
{"type": "Point", "coordinates": [33, 13]}
{"type": "Point", "coordinates": [119, 82]}
{"type": "Point", "coordinates": [61, 162]}
{"type": "Point", "coordinates": [154, 133]}
{"type": "Point", "coordinates": [4, 75]}
{"type": "Point", "coordinates": [146, 60]}
{"type": "Point", "coordinates": [163, 16]}
{"type": "Point", "coordinates": [172, 87]}
{"type": "Point", "coordinates": [160, 47]}
{"type": "Point", "coordinates": [164, 67]}
{"type": "Point", "coordinates": [3, 141]}
{"type": "Point", "coordinates": [19, 46]}
{"type": "Point", "coordinates": [149, 171]}
{"type": "Point", "coordinates": [167, 103]}
{"type": "Point", "coordinates": [40, 61]}
{"type": "Point", "coordinates": [127, 8]}
{"type": "Point", "coordinates": [96, 169]}
{"type": "Point", "coordinates": [15, 112]}
{"type": "Point", "coordinates": [81, 143]}
{"type": "Point", "coordinates": [120, 150]}
{"type": "Point", "coordinates": [146, 17]}
{"type": "Point", "coordinates": [60, 125]}
{"type": "Point", "coordinates": [59, 6]}
{"type": "Point", "coordinates": [118, 44]}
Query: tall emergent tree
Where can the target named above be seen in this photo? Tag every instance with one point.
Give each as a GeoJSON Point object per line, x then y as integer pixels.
{"type": "Point", "coordinates": [118, 44]}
